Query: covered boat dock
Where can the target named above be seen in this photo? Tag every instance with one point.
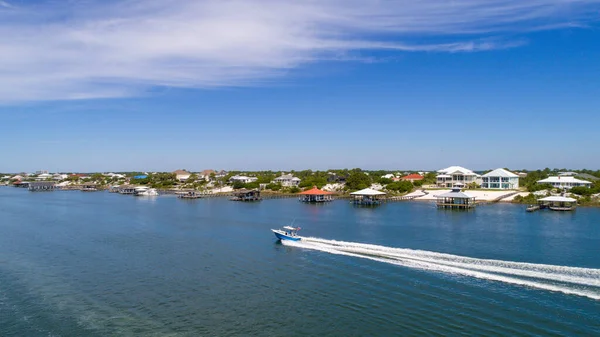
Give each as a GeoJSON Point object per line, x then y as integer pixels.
{"type": "Point", "coordinates": [89, 187]}
{"type": "Point", "coordinates": [455, 199]}
{"type": "Point", "coordinates": [558, 203]}
{"type": "Point", "coordinates": [315, 195]}
{"type": "Point", "coordinates": [42, 186]}
{"type": "Point", "coordinates": [368, 197]}
{"type": "Point", "coordinates": [246, 195]}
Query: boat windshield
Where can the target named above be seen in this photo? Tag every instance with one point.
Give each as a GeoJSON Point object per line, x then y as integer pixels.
{"type": "Point", "coordinates": [290, 228]}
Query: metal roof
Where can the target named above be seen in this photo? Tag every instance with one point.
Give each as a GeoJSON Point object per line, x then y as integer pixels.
{"type": "Point", "coordinates": [456, 194]}
{"type": "Point", "coordinates": [453, 169]}
{"type": "Point", "coordinates": [563, 179]}
{"type": "Point", "coordinates": [500, 172]}
{"type": "Point", "coordinates": [558, 199]}
{"type": "Point", "coordinates": [368, 191]}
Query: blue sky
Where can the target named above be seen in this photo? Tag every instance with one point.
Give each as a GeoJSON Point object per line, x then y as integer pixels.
{"type": "Point", "coordinates": [262, 84]}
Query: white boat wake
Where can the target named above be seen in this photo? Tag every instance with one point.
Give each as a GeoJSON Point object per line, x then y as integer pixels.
{"type": "Point", "coordinates": [568, 280]}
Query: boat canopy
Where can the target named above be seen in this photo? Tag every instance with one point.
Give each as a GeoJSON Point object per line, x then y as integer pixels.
{"type": "Point", "coordinates": [315, 191]}
{"type": "Point", "coordinates": [368, 192]}
{"type": "Point", "coordinates": [558, 199]}
{"type": "Point", "coordinates": [290, 228]}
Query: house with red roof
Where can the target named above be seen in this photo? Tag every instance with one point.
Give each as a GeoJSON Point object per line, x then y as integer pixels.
{"type": "Point", "coordinates": [413, 177]}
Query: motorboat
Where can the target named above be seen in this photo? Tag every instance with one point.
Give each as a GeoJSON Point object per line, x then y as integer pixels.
{"type": "Point", "coordinates": [145, 191]}
{"type": "Point", "coordinates": [287, 233]}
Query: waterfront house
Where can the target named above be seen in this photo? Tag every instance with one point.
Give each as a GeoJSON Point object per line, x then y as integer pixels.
{"type": "Point", "coordinates": [206, 174]}
{"type": "Point", "coordinates": [368, 197]}
{"type": "Point", "coordinates": [500, 179]}
{"type": "Point", "coordinates": [455, 199]}
{"type": "Point", "coordinates": [388, 176]}
{"type": "Point", "coordinates": [43, 176]}
{"type": "Point", "coordinates": [221, 174]}
{"type": "Point", "coordinates": [181, 175]}
{"type": "Point", "coordinates": [58, 176]}
{"type": "Point", "coordinates": [242, 179]}
{"type": "Point", "coordinates": [565, 182]}
{"type": "Point", "coordinates": [287, 180]}
{"type": "Point", "coordinates": [413, 177]}
{"type": "Point", "coordinates": [315, 195]}
{"type": "Point", "coordinates": [456, 176]}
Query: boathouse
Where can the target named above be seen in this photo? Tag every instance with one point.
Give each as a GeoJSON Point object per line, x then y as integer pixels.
{"type": "Point", "coordinates": [368, 197]}
{"type": "Point", "coordinates": [189, 195]}
{"type": "Point", "coordinates": [315, 195]}
{"type": "Point", "coordinates": [42, 186]}
{"type": "Point", "coordinates": [455, 199]}
{"type": "Point", "coordinates": [246, 195]}
{"type": "Point", "coordinates": [558, 203]}
{"type": "Point", "coordinates": [21, 184]}
{"type": "Point", "coordinates": [89, 187]}
{"type": "Point", "coordinates": [127, 189]}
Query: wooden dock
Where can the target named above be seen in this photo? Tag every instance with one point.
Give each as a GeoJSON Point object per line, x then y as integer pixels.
{"type": "Point", "coordinates": [190, 195]}
{"type": "Point", "coordinates": [42, 186]}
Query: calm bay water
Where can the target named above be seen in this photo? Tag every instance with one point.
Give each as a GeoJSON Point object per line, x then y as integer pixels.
{"type": "Point", "coordinates": [101, 264]}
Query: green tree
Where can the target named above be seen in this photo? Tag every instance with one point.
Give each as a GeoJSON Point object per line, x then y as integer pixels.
{"type": "Point", "coordinates": [357, 180]}
{"type": "Point", "coordinates": [580, 190]}
{"type": "Point", "coordinates": [192, 178]}
{"type": "Point", "coordinates": [238, 185]}
{"type": "Point", "coordinates": [400, 186]}
{"type": "Point", "coordinates": [294, 189]}
{"type": "Point", "coordinates": [472, 186]}
{"type": "Point", "coordinates": [252, 185]}
{"type": "Point", "coordinates": [97, 177]}
{"type": "Point", "coordinates": [265, 177]}
{"type": "Point", "coordinates": [384, 181]}
{"type": "Point", "coordinates": [274, 187]}
{"type": "Point", "coordinates": [429, 178]}
{"type": "Point", "coordinates": [529, 199]}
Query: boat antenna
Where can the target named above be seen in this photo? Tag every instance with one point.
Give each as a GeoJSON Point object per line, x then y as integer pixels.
{"type": "Point", "coordinates": [293, 221]}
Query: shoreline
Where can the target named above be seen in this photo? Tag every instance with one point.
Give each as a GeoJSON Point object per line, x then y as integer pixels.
{"type": "Point", "coordinates": [485, 197]}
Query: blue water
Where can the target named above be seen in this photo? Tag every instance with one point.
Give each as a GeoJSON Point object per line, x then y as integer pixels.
{"type": "Point", "coordinates": [99, 264]}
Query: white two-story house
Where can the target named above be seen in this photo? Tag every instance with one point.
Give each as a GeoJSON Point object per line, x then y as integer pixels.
{"type": "Point", "coordinates": [287, 180]}
{"type": "Point", "coordinates": [457, 176]}
{"type": "Point", "coordinates": [500, 179]}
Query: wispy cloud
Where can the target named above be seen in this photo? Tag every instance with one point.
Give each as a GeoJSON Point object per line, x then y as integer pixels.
{"type": "Point", "coordinates": [95, 49]}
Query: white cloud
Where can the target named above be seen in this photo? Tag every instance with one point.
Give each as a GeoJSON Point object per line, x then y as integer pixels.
{"type": "Point", "coordinates": [97, 49]}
